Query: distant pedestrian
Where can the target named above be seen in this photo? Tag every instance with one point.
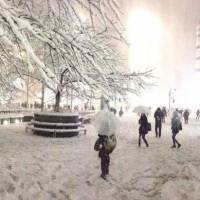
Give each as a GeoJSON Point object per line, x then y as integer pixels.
{"type": "Point", "coordinates": [164, 114]}
{"type": "Point", "coordinates": [121, 112]}
{"type": "Point", "coordinates": [143, 129]}
{"type": "Point", "coordinates": [186, 116]}
{"type": "Point", "coordinates": [176, 126]}
{"type": "Point", "coordinates": [158, 122]}
{"type": "Point", "coordinates": [113, 110]}
{"type": "Point", "coordinates": [93, 108]}
{"type": "Point", "coordinates": [198, 114]}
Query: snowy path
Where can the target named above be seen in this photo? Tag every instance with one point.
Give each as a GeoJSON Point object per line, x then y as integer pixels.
{"type": "Point", "coordinates": [37, 168]}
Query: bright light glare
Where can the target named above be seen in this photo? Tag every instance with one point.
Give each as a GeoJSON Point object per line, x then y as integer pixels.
{"type": "Point", "coordinates": [188, 95]}
{"type": "Point", "coordinates": [145, 34]}
{"type": "Point", "coordinates": [17, 121]}
{"type": "Point", "coordinates": [5, 122]}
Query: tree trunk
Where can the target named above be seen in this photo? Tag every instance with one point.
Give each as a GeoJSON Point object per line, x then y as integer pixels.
{"type": "Point", "coordinates": [42, 100]}
{"type": "Point", "coordinates": [102, 102]}
{"type": "Point", "coordinates": [90, 101]}
{"type": "Point", "coordinates": [27, 92]}
{"type": "Point", "coordinates": [57, 104]}
{"type": "Point", "coordinates": [71, 100]}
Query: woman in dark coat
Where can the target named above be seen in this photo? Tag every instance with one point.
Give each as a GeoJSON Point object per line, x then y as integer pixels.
{"type": "Point", "coordinates": [176, 126]}
{"type": "Point", "coordinates": [143, 130]}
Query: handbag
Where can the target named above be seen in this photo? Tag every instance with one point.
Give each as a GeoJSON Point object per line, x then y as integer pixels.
{"type": "Point", "coordinates": [97, 145]}
{"type": "Point", "coordinates": [148, 126]}
{"type": "Point", "coordinates": [110, 143]}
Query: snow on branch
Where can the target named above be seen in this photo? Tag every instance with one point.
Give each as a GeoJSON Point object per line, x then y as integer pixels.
{"type": "Point", "coordinates": [68, 43]}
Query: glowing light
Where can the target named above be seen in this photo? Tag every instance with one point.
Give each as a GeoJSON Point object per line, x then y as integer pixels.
{"type": "Point", "coordinates": [145, 34]}
{"type": "Point", "coordinates": [5, 122]}
{"type": "Point", "coordinates": [188, 95]}
{"type": "Point", "coordinates": [16, 121]}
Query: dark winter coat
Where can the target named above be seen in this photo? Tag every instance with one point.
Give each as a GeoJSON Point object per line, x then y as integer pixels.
{"type": "Point", "coordinates": [176, 125]}
{"type": "Point", "coordinates": [158, 115]}
{"type": "Point", "coordinates": [121, 113]}
{"type": "Point", "coordinates": [143, 125]}
{"type": "Point", "coordinates": [186, 114]}
{"type": "Point", "coordinates": [164, 112]}
{"type": "Point", "coordinates": [99, 145]}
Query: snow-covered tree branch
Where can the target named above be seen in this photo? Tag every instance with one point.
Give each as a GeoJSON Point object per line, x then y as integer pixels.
{"type": "Point", "coordinates": [67, 43]}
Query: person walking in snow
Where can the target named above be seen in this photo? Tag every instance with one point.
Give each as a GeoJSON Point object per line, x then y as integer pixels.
{"type": "Point", "coordinates": [197, 113]}
{"type": "Point", "coordinates": [143, 129]}
{"type": "Point", "coordinates": [176, 126]}
{"type": "Point", "coordinates": [113, 110]}
{"type": "Point", "coordinates": [106, 124]}
{"type": "Point", "coordinates": [103, 154]}
{"type": "Point", "coordinates": [158, 122]}
{"type": "Point", "coordinates": [164, 114]}
{"type": "Point", "coordinates": [186, 116]}
{"type": "Point", "coordinates": [121, 112]}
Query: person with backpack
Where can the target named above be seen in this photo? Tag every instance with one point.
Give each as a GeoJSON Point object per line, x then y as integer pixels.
{"type": "Point", "coordinates": [158, 122]}
{"type": "Point", "coordinates": [143, 129]}
{"type": "Point", "coordinates": [105, 145]}
{"type": "Point", "coordinates": [176, 126]}
{"type": "Point", "coordinates": [106, 124]}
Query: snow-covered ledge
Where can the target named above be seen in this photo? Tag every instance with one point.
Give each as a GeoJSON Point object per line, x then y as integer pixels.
{"type": "Point", "coordinates": [56, 114]}
{"type": "Point", "coordinates": [56, 124]}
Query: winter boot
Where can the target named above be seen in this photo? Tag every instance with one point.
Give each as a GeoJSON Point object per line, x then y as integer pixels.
{"type": "Point", "coordinates": [103, 176]}
{"type": "Point", "coordinates": [179, 145]}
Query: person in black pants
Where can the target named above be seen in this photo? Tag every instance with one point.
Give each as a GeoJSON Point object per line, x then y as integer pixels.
{"type": "Point", "coordinates": [143, 130]}
{"type": "Point", "coordinates": [104, 155]}
{"type": "Point", "coordinates": [158, 122]}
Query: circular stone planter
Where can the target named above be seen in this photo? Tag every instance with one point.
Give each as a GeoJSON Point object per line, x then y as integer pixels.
{"type": "Point", "coordinates": [56, 124]}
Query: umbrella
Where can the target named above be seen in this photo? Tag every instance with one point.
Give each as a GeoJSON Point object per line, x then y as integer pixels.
{"type": "Point", "coordinates": [142, 109]}
{"type": "Point", "coordinates": [105, 122]}
{"type": "Point", "coordinates": [183, 109]}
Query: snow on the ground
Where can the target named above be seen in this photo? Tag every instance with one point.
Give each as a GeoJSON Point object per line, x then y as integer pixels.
{"type": "Point", "coordinates": [39, 168]}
